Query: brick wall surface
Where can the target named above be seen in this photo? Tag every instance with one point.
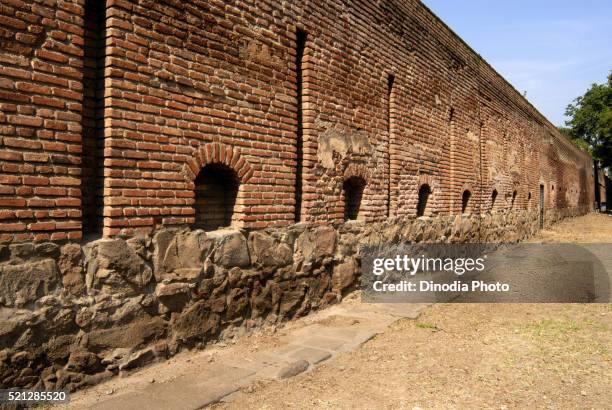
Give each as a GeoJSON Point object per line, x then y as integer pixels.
{"type": "Point", "coordinates": [41, 91]}
{"type": "Point", "coordinates": [151, 91]}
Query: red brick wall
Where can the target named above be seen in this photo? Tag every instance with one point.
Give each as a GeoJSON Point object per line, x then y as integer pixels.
{"type": "Point", "coordinates": [41, 60]}
{"type": "Point", "coordinates": [189, 83]}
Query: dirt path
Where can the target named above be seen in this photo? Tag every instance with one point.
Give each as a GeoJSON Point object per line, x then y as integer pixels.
{"type": "Point", "coordinates": [592, 228]}
{"type": "Point", "coordinates": [469, 356]}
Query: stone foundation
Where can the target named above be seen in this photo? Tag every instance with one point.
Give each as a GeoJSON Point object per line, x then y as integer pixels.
{"type": "Point", "coordinates": [73, 315]}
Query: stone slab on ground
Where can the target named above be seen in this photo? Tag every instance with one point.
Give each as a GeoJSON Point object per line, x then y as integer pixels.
{"type": "Point", "coordinates": [322, 342]}
{"type": "Point", "coordinates": [292, 369]}
{"type": "Point", "coordinates": [297, 352]}
{"type": "Point", "coordinates": [169, 397]}
{"type": "Point", "coordinates": [191, 391]}
{"type": "Point", "coordinates": [208, 377]}
{"type": "Point", "coordinates": [313, 356]}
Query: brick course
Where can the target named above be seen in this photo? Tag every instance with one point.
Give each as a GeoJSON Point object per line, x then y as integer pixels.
{"type": "Point", "coordinates": [107, 115]}
{"type": "Point", "coordinates": [41, 64]}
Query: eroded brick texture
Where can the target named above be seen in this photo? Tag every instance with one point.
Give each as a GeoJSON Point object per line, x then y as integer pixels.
{"type": "Point", "coordinates": [387, 93]}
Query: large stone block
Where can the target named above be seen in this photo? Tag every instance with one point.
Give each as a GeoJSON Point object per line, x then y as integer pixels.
{"type": "Point", "coordinates": [196, 322]}
{"type": "Point", "coordinates": [180, 255]}
{"type": "Point", "coordinates": [268, 251]}
{"type": "Point", "coordinates": [113, 267]}
{"type": "Point", "coordinates": [84, 362]}
{"type": "Point", "coordinates": [173, 296]}
{"type": "Point", "coordinates": [344, 275]}
{"type": "Point", "coordinates": [26, 282]}
{"type": "Point", "coordinates": [290, 299]}
{"type": "Point", "coordinates": [314, 245]}
{"type": "Point", "coordinates": [132, 335]}
{"type": "Point", "coordinates": [236, 303]}
{"type": "Point", "coordinates": [70, 263]}
{"type": "Point", "coordinates": [230, 249]}
{"type": "Point", "coordinates": [13, 322]}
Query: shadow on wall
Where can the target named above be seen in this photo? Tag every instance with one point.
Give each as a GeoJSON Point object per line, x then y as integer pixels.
{"type": "Point", "coordinates": [353, 193]}
{"type": "Point", "coordinates": [92, 159]}
{"type": "Point", "coordinates": [424, 193]}
{"type": "Point", "coordinates": [465, 201]}
{"type": "Point", "coordinates": [216, 189]}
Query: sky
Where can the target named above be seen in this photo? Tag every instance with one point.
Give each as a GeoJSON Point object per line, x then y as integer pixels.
{"type": "Point", "coordinates": [553, 49]}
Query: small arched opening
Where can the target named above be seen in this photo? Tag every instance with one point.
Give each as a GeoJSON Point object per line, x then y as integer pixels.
{"type": "Point", "coordinates": [424, 193]}
{"type": "Point", "coordinates": [529, 200]}
{"type": "Point", "coordinates": [465, 201]}
{"type": "Point", "coordinates": [352, 190]}
{"type": "Point", "coordinates": [493, 199]}
{"type": "Point", "coordinates": [216, 189]}
{"type": "Point", "coordinates": [513, 200]}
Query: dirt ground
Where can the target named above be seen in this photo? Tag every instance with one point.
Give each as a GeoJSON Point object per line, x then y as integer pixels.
{"type": "Point", "coordinates": [591, 228]}
{"type": "Point", "coordinates": [501, 356]}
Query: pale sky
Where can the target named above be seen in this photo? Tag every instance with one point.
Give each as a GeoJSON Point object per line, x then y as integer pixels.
{"type": "Point", "coordinates": [553, 49]}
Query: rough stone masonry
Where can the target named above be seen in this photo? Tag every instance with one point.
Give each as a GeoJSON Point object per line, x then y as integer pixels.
{"type": "Point", "coordinates": [174, 172]}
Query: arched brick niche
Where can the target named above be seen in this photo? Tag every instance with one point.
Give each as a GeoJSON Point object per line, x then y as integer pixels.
{"type": "Point", "coordinates": [493, 199]}
{"type": "Point", "coordinates": [426, 196]}
{"type": "Point", "coordinates": [217, 153]}
{"type": "Point", "coordinates": [352, 193]}
{"type": "Point", "coordinates": [218, 173]}
{"type": "Point", "coordinates": [423, 204]}
{"type": "Point", "coordinates": [216, 191]}
{"type": "Point", "coordinates": [414, 198]}
{"type": "Point", "coordinates": [467, 200]}
{"type": "Point", "coordinates": [513, 199]}
{"type": "Point", "coordinates": [355, 193]}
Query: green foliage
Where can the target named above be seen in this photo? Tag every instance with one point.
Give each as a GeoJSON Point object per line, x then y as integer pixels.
{"type": "Point", "coordinates": [591, 121]}
{"type": "Point", "coordinates": [580, 143]}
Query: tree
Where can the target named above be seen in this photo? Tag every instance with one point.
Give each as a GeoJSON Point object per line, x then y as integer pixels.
{"type": "Point", "coordinates": [580, 143]}
{"type": "Point", "coordinates": [591, 121]}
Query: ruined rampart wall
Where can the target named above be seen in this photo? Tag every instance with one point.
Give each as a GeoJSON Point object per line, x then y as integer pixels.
{"type": "Point", "coordinates": [114, 114]}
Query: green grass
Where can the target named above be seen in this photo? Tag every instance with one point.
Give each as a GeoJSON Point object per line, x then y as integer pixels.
{"type": "Point", "coordinates": [552, 328]}
{"type": "Point", "coordinates": [425, 325]}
